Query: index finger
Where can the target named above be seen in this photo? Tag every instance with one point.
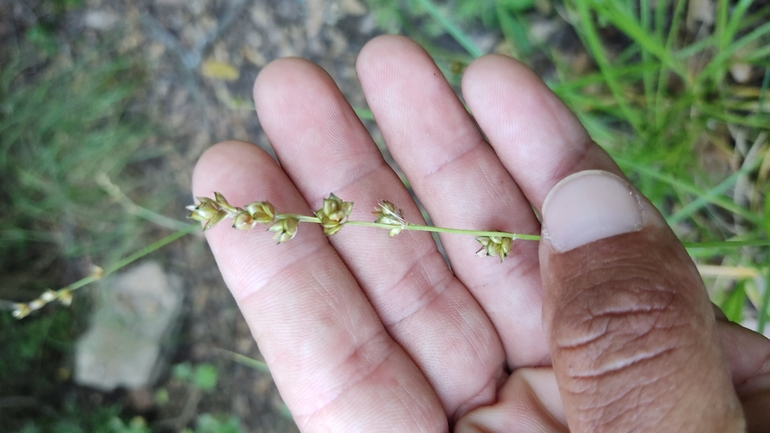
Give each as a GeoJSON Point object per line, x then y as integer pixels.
{"type": "Point", "coordinates": [332, 360]}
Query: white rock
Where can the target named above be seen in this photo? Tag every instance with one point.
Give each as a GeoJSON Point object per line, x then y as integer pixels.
{"type": "Point", "coordinates": [136, 315]}
{"type": "Point", "coordinates": [100, 20]}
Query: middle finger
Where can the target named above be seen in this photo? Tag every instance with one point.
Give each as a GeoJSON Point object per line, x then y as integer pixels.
{"type": "Point", "coordinates": [462, 183]}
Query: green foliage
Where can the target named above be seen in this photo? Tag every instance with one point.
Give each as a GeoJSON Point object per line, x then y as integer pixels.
{"type": "Point", "coordinates": [49, 15]}
{"type": "Point", "coordinates": [202, 376]}
{"type": "Point", "coordinates": [76, 419]}
{"type": "Point", "coordinates": [62, 128]}
{"type": "Point", "coordinates": [65, 123]}
{"type": "Point", "coordinates": [207, 423]}
{"type": "Point", "coordinates": [733, 304]}
{"type": "Point", "coordinates": [31, 350]}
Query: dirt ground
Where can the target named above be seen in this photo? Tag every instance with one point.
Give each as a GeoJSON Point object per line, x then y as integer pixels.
{"type": "Point", "coordinates": [178, 40]}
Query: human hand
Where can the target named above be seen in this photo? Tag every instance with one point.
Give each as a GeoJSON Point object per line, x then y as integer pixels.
{"type": "Point", "coordinates": [605, 324]}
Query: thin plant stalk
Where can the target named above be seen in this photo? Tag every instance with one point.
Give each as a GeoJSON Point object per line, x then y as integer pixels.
{"type": "Point", "coordinates": [64, 295]}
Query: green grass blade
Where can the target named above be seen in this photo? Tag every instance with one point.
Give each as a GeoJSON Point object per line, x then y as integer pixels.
{"type": "Point", "coordinates": [460, 36]}
{"type": "Point", "coordinates": [628, 25]}
{"type": "Point", "coordinates": [648, 79]}
{"type": "Point", "coordinates": [718, 190]}
{"type": "Point", "coordinates": [514, 31]}
{"type": "Point", "coordinates": [364, 113]}
{"type": "Point", "coordinates": [733, 305]}
{"type": "Point", "coordinates": [134, 257]}
{"type": "Point", "coordinates": [763, 90]}
{"type": "Point", "coordinates": [596, 49]}
{"type": "Point", "coordinates": [717, 112]}
{"type": "Point", "coordinates": [677, 19]}
{"type": "Point", "coordinates": [719, 62]}
{"type": "Point", "coordinates": [736, 18]}
{"type": "Point", "coordinates": [727, 244]}
{"type": "Point", "coordinates": [720, 25]}
{"type": "Point", "coordinates": [247, 361]}
{"type": "Point", "coordinates": [764, 309]}
{"type": "Point", "coordinates": [758, 55]}
{"type": "Point", "coordinates": [689, 188]}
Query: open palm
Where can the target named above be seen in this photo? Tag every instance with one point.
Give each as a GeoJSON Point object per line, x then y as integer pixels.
{"type": "Point", "coordinates": [363, 332]}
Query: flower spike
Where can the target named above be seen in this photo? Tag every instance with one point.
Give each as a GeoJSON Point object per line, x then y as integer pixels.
{"type": "Point", "coordinates": [387, 213]}
{"type": "Point", "coordinates": [494, 246]}
{"type": "Point", "coordinates": [285, 229]}
{"type": "Point", "coordinates": [333, 214]}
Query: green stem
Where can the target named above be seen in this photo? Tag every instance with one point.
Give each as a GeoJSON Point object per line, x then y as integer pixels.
{"type": "Point", "coordinates": [133, 257]}
{"type": "Point", "coordinates": [518, 236]}
{"type": "Point", "coordinates": [422, 228]}
{"type": "Point", "coordinates": [245, 360]}
{"type": "Point", "coordinates": [764, 308]}
{"type": "Point", "coordinates": [728, 244]}
{"type": "Point", "coordinates": [463, 39]}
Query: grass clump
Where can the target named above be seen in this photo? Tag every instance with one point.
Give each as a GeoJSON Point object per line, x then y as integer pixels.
{"type": "Point", "coordinates": [70, 142]}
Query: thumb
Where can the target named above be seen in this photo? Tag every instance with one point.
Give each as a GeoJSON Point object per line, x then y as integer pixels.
{"type": "Point", "coordinates": [630, 327]}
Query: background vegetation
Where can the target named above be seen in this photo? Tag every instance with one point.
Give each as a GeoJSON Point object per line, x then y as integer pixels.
{"type": "Point", "coordinates": [677, 94]}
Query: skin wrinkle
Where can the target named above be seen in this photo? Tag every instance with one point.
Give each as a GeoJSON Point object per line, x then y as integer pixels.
{"type": "Point", "coordinates": [470, 404]}
{"type": "Point", "coordinates": [610, 269]}
{"type": "Point", "coordinates": [354, 358]}
{"type": "Point", "coordinates": [245, 288]}
{"type": "Point", "coordinates": [608, 315]}
{"type": "Point", "coordinates": [447, 164]}
{"type": "Point", "coordinates": [326, 295]}
{"type": "Point", "coordinates": [349, 385]}
{"type": "Point", "coordinates": [639, 407]}
{"type": "Point", "coordinates": [353, 177]}
{"type": "Point", "coordinates": [620, 366]}
{"type": "Point", "coordinates": [430, 293]}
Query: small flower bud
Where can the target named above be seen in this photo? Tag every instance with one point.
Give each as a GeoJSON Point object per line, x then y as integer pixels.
{"type": "Point", "coordinates": [243, 221]}
{"type": "Point", "coordinates": [48, 296]}
{"type": "Point", "coordinates": [208, 211]}
{"type": "Point", "coordinates": [21, 311]}
{"type": "Point", "coordinates": [65, 297]}
{"type": "Point", "coordinates": [222, 202]}
{"type": "Point", "coordinates": [388, 213]}
{"type": "Point", "coordinates": [204, 211]}
{"type": "Point", "coordinates": [97, 272]}
{"type": "Point", "coordinates": [494, 246]}
{"type": "Point", "coordinates": [213, 221]}
{"type": "Point", "coordinates": [394, 231]}
{"type": "Point", "coordinates": [261, 211]}
{"type": "Point", "coordinates": [285, 229]}
{"type": "Point", "coordinates": [333, 214]}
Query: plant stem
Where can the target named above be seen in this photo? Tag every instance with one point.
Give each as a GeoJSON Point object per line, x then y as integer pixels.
{"type": "Point", "coordinates": [422, 228]}
{"type": "Point", "coordinates": [133, 257]}
{"type": "Point", "coordinates": [515, 236]}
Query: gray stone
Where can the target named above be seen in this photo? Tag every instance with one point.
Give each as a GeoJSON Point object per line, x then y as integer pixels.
{"type": "Point", "coordinates": [138, 311]}
{"type": "Point", "coordinates": [100, 20]}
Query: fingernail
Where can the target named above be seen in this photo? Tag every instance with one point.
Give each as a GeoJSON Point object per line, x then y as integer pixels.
{"type": "Point", "coordinates": [589, 206]}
